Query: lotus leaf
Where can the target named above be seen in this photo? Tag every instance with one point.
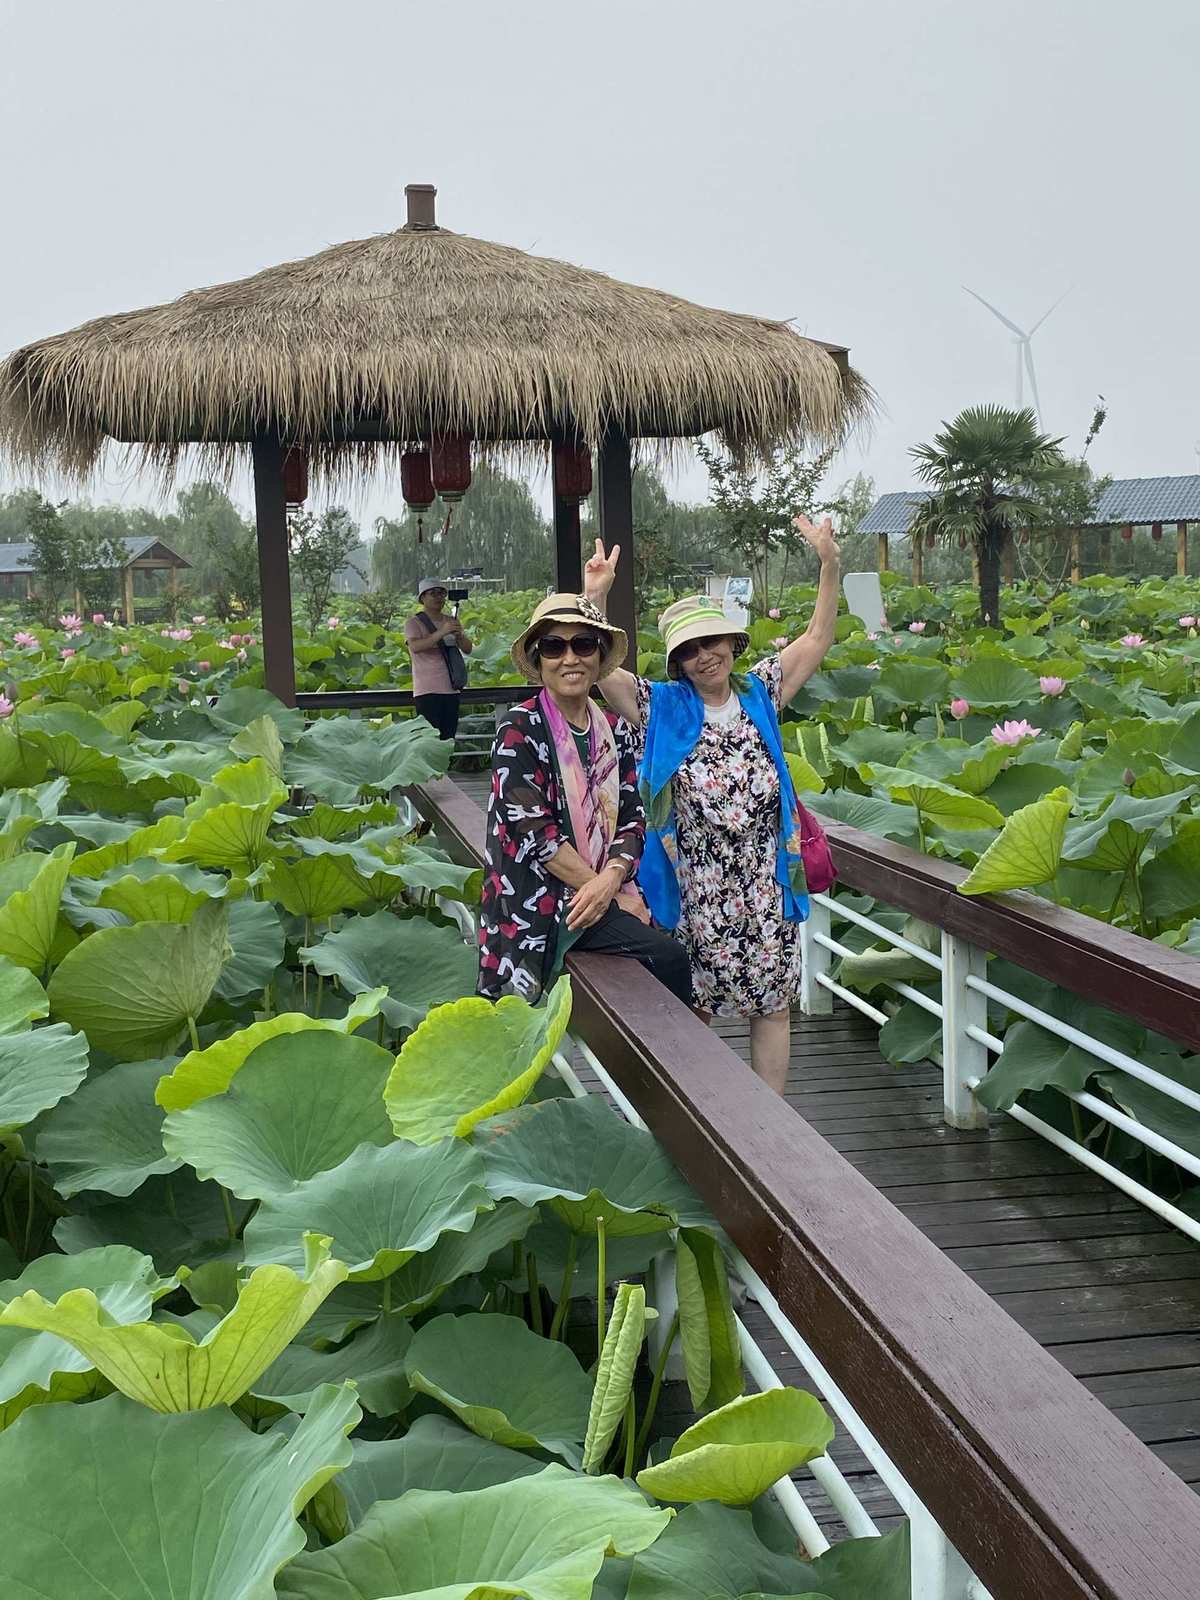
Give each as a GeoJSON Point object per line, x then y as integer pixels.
{"type": "Point", "coordinates": [328, 822]}
{"type": "Point", "coordinates": [161, 898]}
{"type": "Point", "coordinates": [587, 1162]}
{"type": "Point", "coordinates": [421, 965]}
{"type": "Point", "coordinates": [953, 808]}
{"type": "Point", "coordinates": [260, 740]}
{"type": "Point", "coordinates": [707, 1327]}
{"type": "Point", "coordinates": [210, 1071]}
{"type": "Point", "coordinates": [238, 708]}
{"type": "Point", "coordinates": [108, 1135]}
{"type": "Point", "coordinates": [435, 1453]}
{"type": "Point", "coordinates": [318, 886]}
{"type": "Point", "coordinates": [543, 1537]}
{"type": "Point", "coordinates": [29, 914]}
{"type": "Point", "coordinates": [1027, 851]}
{"type": "Point", "coordinates": [1156, 1109]}
{"type": "Point", "coordinates": [36, 1368]}
{"type": "Point", "coordinates": [340, 760]}
{"type": "Point", "coordinates": [912, 1034]}
{"type": "Point", "coordinates": [299, 1105]}
{"type": "Point", "coordinates": [257, 944]}
{"type": "Point", "coordinates": [164, 1508]}
{"type": "Point", "coordinates": [379, 1206]}
{"type": "Point", "coordinates": [473, 1059]}
{"type": "Point", "coordinates": [134, 990]}
{"type": "Point", "coordinates": [124, 852]}
{"type": "Point", "coordinates": [713, 1550]}
{"type": "Point", "coordinates": [615, 1373]}
{"type": "Point", "coordinates": [994, 682]}
{"type": "Point", "coordinates": [373, 1360]}
{"type": "Point", "coordinates": [1171, 882]}
{"type": "Point", "coordinates": [37, 1068]}
{"type": "Point", "coordinates": [416, 1286]}
{"type": "Point", "coordinates": [736, 1453]}
{"type": "Point", "coordinates": [176, 1220]}
{"type": "Point", "coordinates": [160, 1365]}
{"type": "Point", "coordinates": [503, 1381]}
{"type": "Point", "coordinates": [22, 998]}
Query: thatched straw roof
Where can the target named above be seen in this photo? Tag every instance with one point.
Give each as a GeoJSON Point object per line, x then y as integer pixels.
{"type": "Point", "coordinates": [376, 343]}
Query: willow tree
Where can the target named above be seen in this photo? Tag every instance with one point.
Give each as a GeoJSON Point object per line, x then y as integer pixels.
{"type": "Point", "coordinates": [990, 473]}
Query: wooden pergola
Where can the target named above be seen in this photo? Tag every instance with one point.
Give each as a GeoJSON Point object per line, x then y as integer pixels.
{"type": "Point", "coordinates": [395, 343]}
{"type": "Point", "coordinates": [147, 555]}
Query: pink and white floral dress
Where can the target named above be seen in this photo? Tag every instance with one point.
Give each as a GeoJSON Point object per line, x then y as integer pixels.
{"type": "Point", "coordinates": [745, 957]}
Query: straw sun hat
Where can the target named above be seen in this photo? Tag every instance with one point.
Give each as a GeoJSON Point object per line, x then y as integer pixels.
{"type": "Point", "coordinates": [569, 608]}
{"type": "Point", "coordinates": [697, 617]}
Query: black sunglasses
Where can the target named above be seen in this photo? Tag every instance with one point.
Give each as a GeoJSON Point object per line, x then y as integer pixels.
{"type": "Point", "coordinates": [692, 647]}
{"type": "Point", "coordinates": [553, 646]}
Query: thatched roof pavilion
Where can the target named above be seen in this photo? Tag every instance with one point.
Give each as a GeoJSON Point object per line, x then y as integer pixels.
{"type": "Point", "coordinates": [383, 343]}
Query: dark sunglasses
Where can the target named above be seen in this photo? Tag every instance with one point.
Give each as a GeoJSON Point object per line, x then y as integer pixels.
{"type": "Point", "coordinates": [692, 647]}
{"type": "Point", "coordinates": [553, 646]}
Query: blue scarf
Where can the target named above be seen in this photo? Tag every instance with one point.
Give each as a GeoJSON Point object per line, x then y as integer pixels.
{"type": "Point", "coordinates": [675, 725]}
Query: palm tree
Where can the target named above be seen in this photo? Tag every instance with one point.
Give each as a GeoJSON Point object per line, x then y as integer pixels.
{"type": "Point", "coordinates": [990, 472]}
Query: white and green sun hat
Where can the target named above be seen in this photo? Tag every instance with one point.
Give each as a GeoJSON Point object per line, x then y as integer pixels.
{"type": "Point", "coordinates": [697, 617]}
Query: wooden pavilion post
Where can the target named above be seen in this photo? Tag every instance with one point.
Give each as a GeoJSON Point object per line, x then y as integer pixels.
{"type": "Point", "coordinates": [127, 575]}
{"type": "Point", "coordinates": [881, 557]}
{"type": "Point", "coordinates": [614, 499]}
{"type": "Point", "coordinates": [918, 560]}
{"type": "Point", "coordinates": [1181, 552]}
{"type": "Point", "coordinates": [270, 510]}
{"type": "Point", "coordinates": [568, 560]}
{"type": "Point", "coordinates": [1076, 554]}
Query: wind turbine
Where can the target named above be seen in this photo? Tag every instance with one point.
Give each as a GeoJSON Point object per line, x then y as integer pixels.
{"type": "Point", "coordinates": [1024, 343]}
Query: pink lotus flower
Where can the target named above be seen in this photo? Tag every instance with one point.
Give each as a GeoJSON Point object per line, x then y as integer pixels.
{"type": "Point", "coordinates": [896, 639]}
{"type": "Point", "coordinates": [164, 633]}
{"type": "Point", "coordinates": [1052, 686]}
{"type": "Point", "coordinates": [71, 623]}
{"type": "Point", "coordinates": [124, 649]}
{"type": "Point", "coordinates": [1014, 732]}
{"type": "Point", "coordinates": [917, 627]}
{"type": "Point", "coordinates": [959, 709]}
{"type": "Point", "coordinates": [204, 666]}
{"type": "Point", "coordinates": [872, 637]}
{"type": "Point", "coordinates": [1184, 622]}
{"type": "Point", "coordinates": [249, 639]}
{"type": "Point", "coordinates": [6, 707]}
{"type": "Point", "coordinates": [66, 654]}
{"type": "Point", "coordinates": [1132, 641]}
{"type": "Point", "coordinates": [241, 655]}
{"type": "Point", "coordinates": [779, 643]}
{"type": "Point", "coordinates": [333, 622]}
{"type": "Point", "coordinates": [180, 635]}
{"type": "Point", "coordinates": [98, 618]}
{"type": "Point", "coordinates": [199, 621]}
{"type": "Point", "coordinates": [26, 641]}
{"type": "Point", "coordinates": [184, 686]}
{"type": "Point", "coordinates": [774, 613]}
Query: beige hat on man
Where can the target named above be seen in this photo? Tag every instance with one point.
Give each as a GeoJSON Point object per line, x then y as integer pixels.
{"type": "Point", "coordinates": [570, 608]}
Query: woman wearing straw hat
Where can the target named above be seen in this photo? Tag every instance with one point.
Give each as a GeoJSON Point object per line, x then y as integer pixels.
{"type": "Point", "coordinates": [565, 827]}
{"type": "Point", "coordinates": [722, 862]}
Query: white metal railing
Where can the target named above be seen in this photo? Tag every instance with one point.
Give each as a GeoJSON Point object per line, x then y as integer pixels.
{"type": "Point", "coordinates": [967, 1044]}
{"type": "Point", "coordinates": [937, 1571]}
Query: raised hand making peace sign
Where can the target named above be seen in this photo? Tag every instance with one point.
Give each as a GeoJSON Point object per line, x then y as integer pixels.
{"type": "Point", "coordinates": [599, 573]}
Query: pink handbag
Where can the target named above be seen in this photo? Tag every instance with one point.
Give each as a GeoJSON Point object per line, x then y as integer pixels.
{"type": "Point", "coordinates": [819, 870]}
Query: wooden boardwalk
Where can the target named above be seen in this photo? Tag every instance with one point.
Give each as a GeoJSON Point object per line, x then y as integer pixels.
{"type": "Point", "coordinates": [1112, 1292]}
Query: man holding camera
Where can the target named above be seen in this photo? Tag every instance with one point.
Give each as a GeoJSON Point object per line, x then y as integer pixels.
{"type": "Point", "coordinates": [438, 646]}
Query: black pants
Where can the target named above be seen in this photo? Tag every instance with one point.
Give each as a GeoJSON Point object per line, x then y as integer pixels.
{"type": "Point", "coordinates": [619, 934]}
{"type": "Point", "coordinates": [439, 709]}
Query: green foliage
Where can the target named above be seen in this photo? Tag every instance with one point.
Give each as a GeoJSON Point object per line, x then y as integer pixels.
{"type": "Point", "coordinates": [321, 546]}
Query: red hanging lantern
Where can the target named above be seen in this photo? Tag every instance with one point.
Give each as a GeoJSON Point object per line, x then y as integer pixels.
{"type": "Point", "coordinates": [295, 475]}
{"type": "Point", "coordinates": [572, 473]}
{"type": "Point", "coordinates": [1127, 531]}
{"type": "Point", "coordinates": [1156, 530]}
{"type": "Point", "coordinates": [416, 480]}
{"type": "Point", "coordinates": [450, 464]}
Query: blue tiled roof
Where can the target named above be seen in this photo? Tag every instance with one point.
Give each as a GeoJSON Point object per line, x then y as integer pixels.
{"type": "Point", "coordinates": [1136, 500]}
{"type": "Point", "coordinates": [16, 557]}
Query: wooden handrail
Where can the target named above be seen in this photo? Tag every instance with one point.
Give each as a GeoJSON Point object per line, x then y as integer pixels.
{"type": "Point", "coordinates": [1117, 969]}
{"type": "Point", "coordinates": [390, 699]}
{"type": "Point", "coordinates": [1037, 1484]}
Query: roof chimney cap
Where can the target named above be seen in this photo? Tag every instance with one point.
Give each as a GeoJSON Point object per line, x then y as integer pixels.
{"type": "Point", "coordinates": [420, 198]}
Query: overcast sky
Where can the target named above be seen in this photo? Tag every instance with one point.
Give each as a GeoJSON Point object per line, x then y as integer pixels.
{"type": "Point", "coordinates": [846, 163]}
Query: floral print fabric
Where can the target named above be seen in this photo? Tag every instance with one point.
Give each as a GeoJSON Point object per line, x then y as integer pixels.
{"type": "Point", "coordinates": [745, 957]}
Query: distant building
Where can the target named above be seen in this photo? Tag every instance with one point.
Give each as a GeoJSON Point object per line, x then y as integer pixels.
{"type": "Point", "coordinates": [1127, 503]}
{"type": "Point", "coordinates": [149, 566]}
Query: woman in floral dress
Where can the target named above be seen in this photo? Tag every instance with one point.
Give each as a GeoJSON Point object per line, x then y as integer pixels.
{"type": "Point", "coordinates": [719, 865]}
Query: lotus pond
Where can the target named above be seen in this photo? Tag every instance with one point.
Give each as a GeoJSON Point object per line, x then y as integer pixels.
{"type": "Point", "coordinates": [313, 1280]}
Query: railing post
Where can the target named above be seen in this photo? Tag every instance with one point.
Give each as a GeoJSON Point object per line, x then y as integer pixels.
{"type": "Point", "coordinates": [963, 1058]}
{"type": "Point", "coordinates": [937, 1571]}
{"type": "Point", "coordinates": [815, 998]}
{"type": "Point", "coordinates": [665, 1301]}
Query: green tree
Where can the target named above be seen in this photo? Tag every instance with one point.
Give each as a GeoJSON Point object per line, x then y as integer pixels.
{"type": "Point", "coordinates": [497, 528]}
{"type": "Point", "coordinates": [321, 547]}
{"type": "Point", "coordinates": [214, 536]}
{"type": "Point", "coordinates": [16, 508]}
{"type": "Point", "coordinates": [755, 509]}
{"type": "Point", "coordinates": [70, 556]}
{"type": "Point", "coordinates": [991, 473]}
